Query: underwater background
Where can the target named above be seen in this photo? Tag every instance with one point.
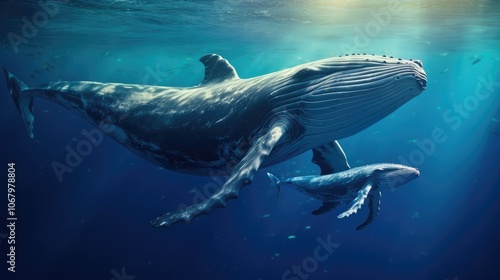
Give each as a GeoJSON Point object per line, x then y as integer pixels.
{"type": "Point", "coordinates": [94, 224]}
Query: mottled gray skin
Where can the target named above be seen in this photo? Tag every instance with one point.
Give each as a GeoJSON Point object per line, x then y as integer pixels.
{"type": "Point", "coordinates": [350, 186]}
{"type": "Point", "coordinates": [212, 127]}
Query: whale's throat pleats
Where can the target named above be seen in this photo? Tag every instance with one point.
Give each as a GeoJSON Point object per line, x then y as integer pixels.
{"type": "Point", "coordinates": [348, 99]}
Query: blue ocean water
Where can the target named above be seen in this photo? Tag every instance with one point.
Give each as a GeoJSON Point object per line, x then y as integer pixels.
{"type": "Point", "coordinates": [95, 223]}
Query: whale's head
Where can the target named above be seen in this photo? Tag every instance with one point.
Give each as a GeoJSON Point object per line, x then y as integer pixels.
{"type": "Point", "coordinates": [390, 175]}
{"type": "Point", "coordinates": [340, 96]}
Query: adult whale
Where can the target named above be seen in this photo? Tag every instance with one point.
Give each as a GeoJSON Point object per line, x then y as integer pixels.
{"type": "Point", "coordinates": [229, 123]}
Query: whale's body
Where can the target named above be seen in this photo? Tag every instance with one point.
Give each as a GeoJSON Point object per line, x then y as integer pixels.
{"type": "Point", "coordinates": [212, 128]}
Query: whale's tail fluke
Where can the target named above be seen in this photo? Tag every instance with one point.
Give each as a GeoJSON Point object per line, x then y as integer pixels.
{"type": "Point", "coordinates": [276, 182]}
{"type": "Point", "coordinates": [23, 102]}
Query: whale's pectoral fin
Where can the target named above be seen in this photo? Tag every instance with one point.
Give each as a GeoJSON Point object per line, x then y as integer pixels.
{"type": "Point", "coordinates": [374, 205]}
{"type": "Point", "coordinates": [358, 201]}
{"type": "Point", "coordinates": [241, 176]}
{"type": "Point", "coordinates": [330, 158]}
{"type": "Point", "coordinates": [327, 206]}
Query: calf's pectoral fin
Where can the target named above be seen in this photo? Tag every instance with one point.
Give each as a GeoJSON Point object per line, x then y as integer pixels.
{"type": "Point", "coordinates": [241, 176]}
{"type": "Point", "coordinates": [358, 201]}
{"type": "Point", "coordinates": [327, 206]}
{"type": "Point", "coordinates": [374, 206]}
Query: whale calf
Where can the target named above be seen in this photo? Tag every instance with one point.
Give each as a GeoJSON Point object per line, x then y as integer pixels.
{"type": "Point", "coordinates": [229, 123]}
{"type": "Point", "coordinates": [348, 185]}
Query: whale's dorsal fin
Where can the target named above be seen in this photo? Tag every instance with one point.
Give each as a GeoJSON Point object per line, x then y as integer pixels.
{"type": "Point", "coordinates": [330, 158]}
{"type": "Point", "coordinates": [217, 69]}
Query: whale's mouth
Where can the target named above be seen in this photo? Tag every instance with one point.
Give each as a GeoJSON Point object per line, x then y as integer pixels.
{"type": "Point", "coordinates": [420, 75]}
{"type": "Point", "coordinates": [422, 81]}
{"type": "Point", "coordinates": [402, 171]}
{"type": "Point", "coordinates": [395, 175]}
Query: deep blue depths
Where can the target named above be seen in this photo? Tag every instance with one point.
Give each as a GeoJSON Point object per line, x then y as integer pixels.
{"type": "Point", "coordinates": [444, 225]}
